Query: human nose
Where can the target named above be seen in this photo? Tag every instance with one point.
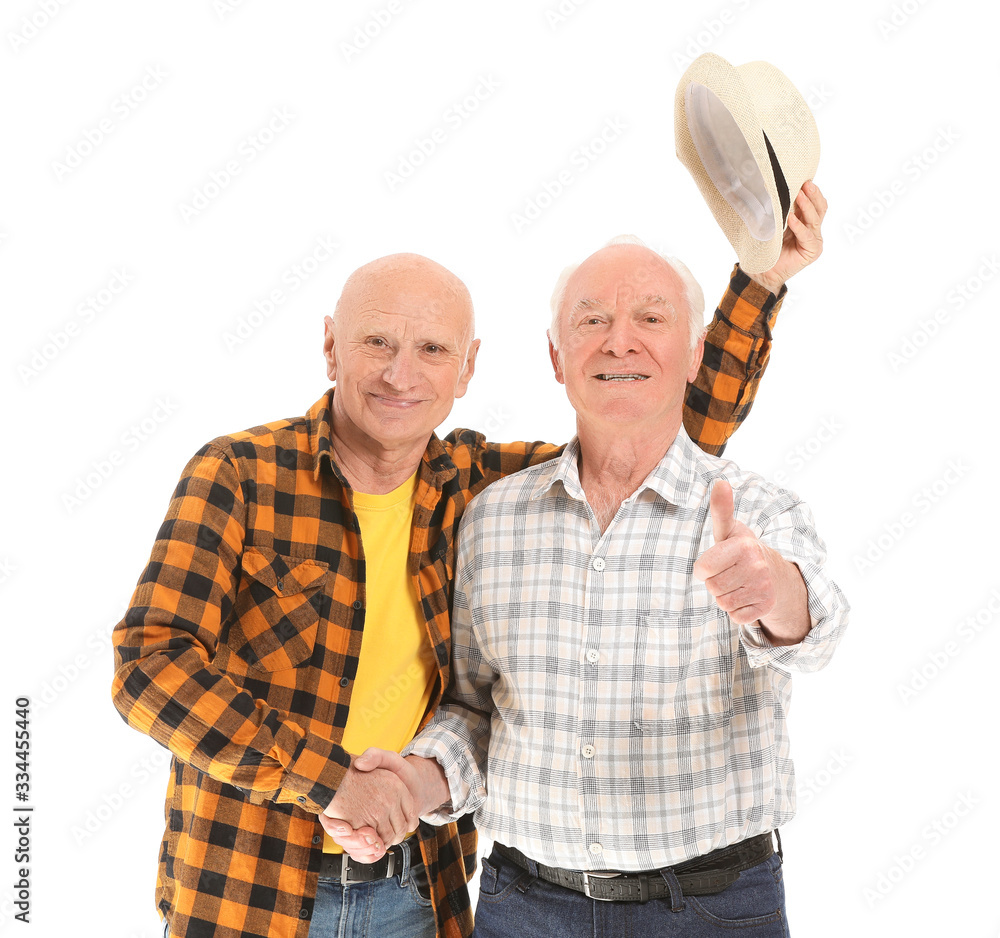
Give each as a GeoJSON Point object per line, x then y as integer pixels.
{"type": "Point", "coordinates": [400, 372]}
{"type": "Point", "coordinates": [620, 338]}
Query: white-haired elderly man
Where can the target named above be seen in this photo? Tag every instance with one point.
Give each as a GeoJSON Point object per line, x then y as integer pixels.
{"type": "Point", "coordinates": [621, 637]}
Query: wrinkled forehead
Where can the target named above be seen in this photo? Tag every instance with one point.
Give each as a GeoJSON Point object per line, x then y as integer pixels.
{"type": "Point", "coordinates": [406, 303]}
{"type": "Point", "coordinates": [623, 275]}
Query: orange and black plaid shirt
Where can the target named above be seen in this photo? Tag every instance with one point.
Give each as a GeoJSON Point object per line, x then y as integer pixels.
{"type": "Point", "coordinates": [240, 646]}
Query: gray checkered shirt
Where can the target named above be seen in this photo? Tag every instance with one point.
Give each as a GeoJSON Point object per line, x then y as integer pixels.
{"type": "Point", "coordinates": [604, 713]}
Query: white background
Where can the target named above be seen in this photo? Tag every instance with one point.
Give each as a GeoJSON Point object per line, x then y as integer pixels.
{"type": "Point", "coordinates": [895, 454]}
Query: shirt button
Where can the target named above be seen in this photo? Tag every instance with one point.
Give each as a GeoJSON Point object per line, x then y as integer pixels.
{"type": "Point", "coordinates": [596, 849]}
{"type": "Point", "coordinates": [344, 682]}
{"type": "Point", "coordinates": [301, 799]}
{"type": "Point", "coordinates": [588, 752]}
{"type": "Point", "coordinates": [593, 656]}
{"type": "Point", "coordinates": [357, 604]}
{"type": "Point", "coordinates": [598, 564]}
{"type": "Point", "coordinates": [303, 913]}
{"type": "Point", "coordinates": [317, 838]}
{"type": "Point", "coordinates": [281, 584]}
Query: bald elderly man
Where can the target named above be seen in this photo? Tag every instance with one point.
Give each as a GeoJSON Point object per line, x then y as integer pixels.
{"type": "Point", "coordinates": [621, 640]}
{"type": "Point", "coordinates": [295, 611]}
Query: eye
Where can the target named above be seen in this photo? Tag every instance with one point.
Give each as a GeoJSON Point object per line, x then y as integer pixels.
{"type": "Point", "coordinates": [377, 342]}
{"type": "Point", "coordinates": [432, 349]}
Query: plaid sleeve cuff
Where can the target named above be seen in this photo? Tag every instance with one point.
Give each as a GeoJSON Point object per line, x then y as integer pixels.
{"type": "Point", "coordinates": [465, 780]}
{"type": "Point", "coordinates": [749, 307]}
{"type": "Point", "coordinates": [314, 775]}
{"type": "Point", "coordinates": [828, 616]}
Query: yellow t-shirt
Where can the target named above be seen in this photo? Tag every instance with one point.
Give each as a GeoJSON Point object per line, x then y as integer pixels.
{"type": "Point", "coordinates": [396, 668]}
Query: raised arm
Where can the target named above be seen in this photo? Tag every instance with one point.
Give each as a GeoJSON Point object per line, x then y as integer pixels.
{"type": "Point", "coordinates": [738, 341]}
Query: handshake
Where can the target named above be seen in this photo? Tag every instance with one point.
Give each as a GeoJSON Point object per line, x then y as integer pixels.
{"type": "Point", "coordinates": [380, 800]}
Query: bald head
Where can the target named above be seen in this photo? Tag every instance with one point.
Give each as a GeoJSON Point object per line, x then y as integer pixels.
{"type": "Point", "coordinates": [439, 290]}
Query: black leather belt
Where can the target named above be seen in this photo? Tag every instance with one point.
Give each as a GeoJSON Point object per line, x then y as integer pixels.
{"type": "Point", "coordinates": [702, 876]}
{"type": "Point", "coordinates": [339, 866]}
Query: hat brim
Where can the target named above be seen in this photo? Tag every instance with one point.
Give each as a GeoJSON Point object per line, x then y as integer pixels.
{"type": "Point", "coordinates": [725, 82]}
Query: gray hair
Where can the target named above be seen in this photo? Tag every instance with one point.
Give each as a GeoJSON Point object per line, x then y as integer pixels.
{"type": "Point", "coordinates": [691, 292]}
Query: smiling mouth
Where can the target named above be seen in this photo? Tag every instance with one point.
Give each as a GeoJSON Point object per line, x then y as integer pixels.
{"type": "Point", "coordinates": [396, 401]}
{"type": "Point", "coordinates": [621, 377]}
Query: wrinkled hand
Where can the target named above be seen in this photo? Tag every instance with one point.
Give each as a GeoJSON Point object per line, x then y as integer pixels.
{"type": "Point", "coordinates": [426, 782]}
{"type": "Point", "coordinates": [738, 569]}
{"type": "Point", "coordinates": [803, 240]}
{"type": "Point", "coordinates": [374, 805]}
{"type": "Point", "coordinates": [750, 580]}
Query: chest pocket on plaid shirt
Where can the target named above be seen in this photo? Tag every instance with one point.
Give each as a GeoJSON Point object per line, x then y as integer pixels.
{"type": "Point", "coordinates": [277, 609]}
{"type": "Point", "coordinates": [686, 670]}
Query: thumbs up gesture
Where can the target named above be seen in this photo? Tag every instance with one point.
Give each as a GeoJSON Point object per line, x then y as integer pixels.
{"type": "Point", "coordinates": [739, 571]}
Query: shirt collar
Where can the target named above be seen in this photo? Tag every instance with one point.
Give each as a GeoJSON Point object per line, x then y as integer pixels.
{"type": "Point", "coordinates": [672, 478]}
{"type": "Point", "coordinates": [320, 417]}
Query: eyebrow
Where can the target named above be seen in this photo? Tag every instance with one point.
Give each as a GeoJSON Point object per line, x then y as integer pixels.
{"type": "Point", "coordinates": [640, 302]}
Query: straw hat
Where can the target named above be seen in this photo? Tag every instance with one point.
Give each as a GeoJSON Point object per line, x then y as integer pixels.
{"type": "Point", "coordinates": [749, 140]}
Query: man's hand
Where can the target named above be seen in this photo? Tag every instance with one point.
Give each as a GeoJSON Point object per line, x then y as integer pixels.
{"type": "Point", "coordinates": [374, 797]}
{"type": "Point", "coordinates": [749, 580]}
{"type": "Point", "coordinates": [803, 240]}
{"type": "Point", "coordinates": [426, 783]}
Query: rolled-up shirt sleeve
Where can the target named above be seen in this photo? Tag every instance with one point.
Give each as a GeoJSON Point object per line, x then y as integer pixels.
{"type": "Point", "coordinates": [458, 735]}
{"type": "Point", "coordinates": [785, 523]}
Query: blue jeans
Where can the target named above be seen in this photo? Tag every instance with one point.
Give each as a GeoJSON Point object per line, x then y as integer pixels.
{"type": "Point", "coordinates": [386, 908]}
{"type": "Point", "coordinates": [510, 903]}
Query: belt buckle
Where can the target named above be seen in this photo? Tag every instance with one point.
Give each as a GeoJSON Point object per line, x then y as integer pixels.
{"type": "Point", "coordinates": [598, 875]}
{"type": "Point", "coordinates": [345, 868]}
